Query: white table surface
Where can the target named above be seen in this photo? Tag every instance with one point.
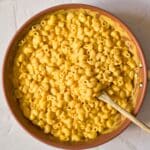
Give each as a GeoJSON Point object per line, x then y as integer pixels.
{"type": "Point", "coordinates": [13, 13]}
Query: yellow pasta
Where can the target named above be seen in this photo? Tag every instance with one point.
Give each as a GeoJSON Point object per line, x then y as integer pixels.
{"type": "Point", "coordinates": [62, 65]}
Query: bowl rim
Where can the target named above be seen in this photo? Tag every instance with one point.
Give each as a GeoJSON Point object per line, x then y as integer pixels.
{"type": "Point", "coordinates": [76, 6]}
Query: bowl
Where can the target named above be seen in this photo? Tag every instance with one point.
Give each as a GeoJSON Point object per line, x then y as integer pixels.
{"type": "Point", "coordinates": [35, 131]}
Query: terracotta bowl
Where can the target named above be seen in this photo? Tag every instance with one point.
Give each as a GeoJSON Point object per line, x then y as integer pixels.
{"type": "Point", "coordinates": [35, 131]}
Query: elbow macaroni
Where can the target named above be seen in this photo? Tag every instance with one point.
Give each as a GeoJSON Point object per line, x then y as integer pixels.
{"type": "Point", "coordinates": [63, 64]}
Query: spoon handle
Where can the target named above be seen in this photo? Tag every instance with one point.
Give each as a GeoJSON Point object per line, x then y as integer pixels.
{"type": "Point", "coordinates": [104, 97]}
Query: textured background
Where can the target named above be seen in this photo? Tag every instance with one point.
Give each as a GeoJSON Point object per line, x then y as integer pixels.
{"type": "Point", "coordinates": [13, 13]}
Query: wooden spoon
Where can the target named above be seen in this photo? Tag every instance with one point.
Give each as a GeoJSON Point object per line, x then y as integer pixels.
{"type": "Point", "coordinates": [104, 97]}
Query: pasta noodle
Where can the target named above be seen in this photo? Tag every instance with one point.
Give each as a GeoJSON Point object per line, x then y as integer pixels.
{"type": "Point", "coordinates": [62, 65]}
